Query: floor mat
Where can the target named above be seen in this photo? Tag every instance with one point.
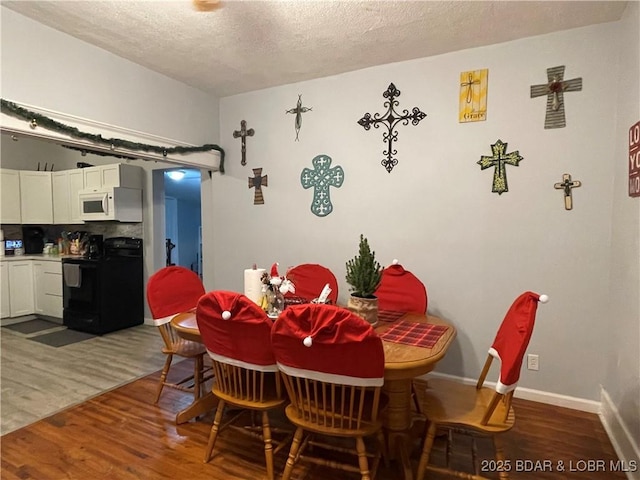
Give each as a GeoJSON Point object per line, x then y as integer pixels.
{"type": "Point", "coordinates": [32, 326]}
{"type": "Point", "coordinates": [62, 338]}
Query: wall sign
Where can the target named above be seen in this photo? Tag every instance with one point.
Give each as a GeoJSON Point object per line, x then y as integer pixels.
{"type": "Point", "coordinates": [634, 160]}
{"type": "Point", "coordinates": [473, 96]}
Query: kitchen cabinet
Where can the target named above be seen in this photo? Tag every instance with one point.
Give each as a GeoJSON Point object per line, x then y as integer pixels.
{"type": "Point", "coordinates": [36, 197]}
{"type": "Point", "coordinates": [66, 206]}
{"type": "Point", "coordinates": [47, 282]}
{"type": "Point", "coordinates": [114, 175]}
{"type": "Point", "coordinates": [21, 300]}
{"type": "Point", "coordinates": [10, 196]}
{"type": "Point", "coordinates": [5, 311]}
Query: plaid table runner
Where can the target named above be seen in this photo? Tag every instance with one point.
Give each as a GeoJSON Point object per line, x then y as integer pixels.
{"type": "Point", "coordinates": [417, 334]}
{"type": "Point", "coordinates": [389, 315]}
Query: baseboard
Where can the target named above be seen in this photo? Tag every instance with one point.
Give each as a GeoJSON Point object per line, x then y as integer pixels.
{"type": "Point", "coordinates": [149, 321]}
{"type": "Point", "coordinates": [624, 444]}
{"type": "Point", "coordinates": [549, 398]}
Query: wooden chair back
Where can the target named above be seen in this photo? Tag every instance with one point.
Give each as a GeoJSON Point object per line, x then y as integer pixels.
{"type": "Point", "coordinates": [309, 280]}
{"type": "Point", "coordinates": [401, 291]}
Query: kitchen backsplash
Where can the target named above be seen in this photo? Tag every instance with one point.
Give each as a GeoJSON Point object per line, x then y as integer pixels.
{"type": "Point", "coordinates": [107, 229]}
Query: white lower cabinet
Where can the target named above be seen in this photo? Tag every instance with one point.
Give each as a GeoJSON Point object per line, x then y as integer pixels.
{"type": "Point", "coordinates": [47, 281]}
{"type": "Point", "coordinates": [21, 288]}
{"type": "Point", "coordinates": [5, 310]}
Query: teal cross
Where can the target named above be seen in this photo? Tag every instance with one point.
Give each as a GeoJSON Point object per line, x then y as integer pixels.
{"type": "Point", "coordinates": [499, 160]}
{"type": "Point", "coordinates": [321, 178]}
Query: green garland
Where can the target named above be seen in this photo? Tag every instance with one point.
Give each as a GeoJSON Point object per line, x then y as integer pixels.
{"type": "Point", "coordinates": [37, 119]}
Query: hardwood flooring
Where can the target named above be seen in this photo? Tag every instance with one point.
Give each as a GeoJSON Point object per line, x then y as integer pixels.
{"type": "Point", "coordinates": [122, 435]}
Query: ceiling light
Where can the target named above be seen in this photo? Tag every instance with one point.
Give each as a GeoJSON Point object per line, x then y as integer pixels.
{"type": "Point", "coordinates": [176, 174]}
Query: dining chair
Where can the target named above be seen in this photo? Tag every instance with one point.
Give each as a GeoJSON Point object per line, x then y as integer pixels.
{"type": "Point", "coordinates": [332, 364]}
{"type": "Point", "coordinates": [309, 280]}
{"type": "Point", "coordinates": [479, 410]}
{"type": "Point", "coordinates": [400, 290]}
{"type": "Point", "coordinates": [170, 291]}
{"type": "Point", "coordinates": [237, 335]}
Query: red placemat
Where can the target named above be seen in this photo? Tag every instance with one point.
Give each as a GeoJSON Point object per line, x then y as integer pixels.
{"type": "Point", "coordinates": [389, 315]}
{"type": "Point", "coordinates": [412, 333]}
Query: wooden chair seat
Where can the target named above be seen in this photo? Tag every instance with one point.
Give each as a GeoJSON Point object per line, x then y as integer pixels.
{"type": "Point", "coordinates": [185, 348]}
{"type": "Point", "coordinates": [271, 396]}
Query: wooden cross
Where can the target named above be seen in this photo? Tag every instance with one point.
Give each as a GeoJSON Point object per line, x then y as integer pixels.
{"type": "Point", "coordinates": [567, 185]}
{"type": "Point", "coordinates": [299, 110]}
{"type": "Point", "coordinates": [257, 182]}
{"type": "Point", "coordinates": [554, 90]}
{"type": "Point", "coordinates": [499, 160]}
{"type": "Point", "coordinates": [321, 178]}
{"type": "Point", "coordinates": [243, 133]}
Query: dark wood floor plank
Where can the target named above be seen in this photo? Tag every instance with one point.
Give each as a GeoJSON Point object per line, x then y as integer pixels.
{"type": "Point", "coordinates": [122, 435]}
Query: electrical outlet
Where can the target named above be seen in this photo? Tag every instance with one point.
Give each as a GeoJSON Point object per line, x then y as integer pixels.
{"type": "Point", "coordinates": [532, 362]}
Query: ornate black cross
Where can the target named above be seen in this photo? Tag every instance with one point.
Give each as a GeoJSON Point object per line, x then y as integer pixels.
{"type": "Point", "coordinates": [299, 110]}
{"type": "Point", "coordinates": [243, 133]}
{"type": "Point", "coordinates": [499, 160]}
{"type": "Point", "coordinates": [392, 118]}
{"type": "Point", "coordinates": [554, 90]}
{"type": "Point", "coordinates": [257, 182]}
{"type": "Point", "coordinates": [567, 185]}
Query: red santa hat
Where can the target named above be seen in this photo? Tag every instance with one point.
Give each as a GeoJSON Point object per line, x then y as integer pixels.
{"type": "Point", "coordinates": [328, 343]}
{"type": "Point", "coordinates": [309, 280]}
{"type": "Point", "coordinates": [400, 290]}
{"type": "Point", "coordinates": [235, 330]}
{"type": "Point", "coordinates": [172, 290]}
{"type": "Point", "coordinates": [513, 338]}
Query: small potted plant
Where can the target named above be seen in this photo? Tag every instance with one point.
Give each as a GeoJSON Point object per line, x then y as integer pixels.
{"type": "Point", "coordinates": [363, 275]}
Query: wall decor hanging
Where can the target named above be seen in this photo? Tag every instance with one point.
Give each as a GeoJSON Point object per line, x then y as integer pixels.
{"type": "Point", "coordinates": [554, 90]}
{"type": "Point", "coordinates": [499, 160]}
{"type": "Point", "coordinates": [567, 185]}
{"type": "Point", "coordinates": [258, 181]}
{"type": "Point", "coordinates": [473, 96]}
{"type": "Point", "coordinates": [390, 119]}
{"type": "Point", "coordinates": [299, 110]}
{"type": "Point", "coordinates": [321, 177]}
{"type": "Point", "coordinates": [243, 133]}
{"type": "Point", "coordinates": [634, 160]}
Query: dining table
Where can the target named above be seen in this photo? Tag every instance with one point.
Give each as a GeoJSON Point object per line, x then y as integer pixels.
{"type": "Point", "coordinates": [413, 344]}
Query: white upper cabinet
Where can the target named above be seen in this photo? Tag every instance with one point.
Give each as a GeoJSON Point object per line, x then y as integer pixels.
{"type": "Point", "coordinates": [115, 175]}
{"type": "Point", "coordinates": [10, 197]}
{"type": "Point", "coordinates": [36, 197]}
{"type": "Point", "coordinates": [66, 206]}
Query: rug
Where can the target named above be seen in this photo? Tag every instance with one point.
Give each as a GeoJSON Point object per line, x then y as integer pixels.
{"type": "Point", "coordinates": [32, 326]}
{"type": "Point", "coordinates": [62, 338]}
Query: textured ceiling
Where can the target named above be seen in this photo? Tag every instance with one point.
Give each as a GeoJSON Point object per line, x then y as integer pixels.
{"type": "Point", "coordinates": [242, 46]}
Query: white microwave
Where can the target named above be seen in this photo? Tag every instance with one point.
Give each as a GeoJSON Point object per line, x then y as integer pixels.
{"type": "Point", "coordinates": [113, 203]}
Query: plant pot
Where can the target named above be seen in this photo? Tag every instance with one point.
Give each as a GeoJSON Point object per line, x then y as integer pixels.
{"type": "Point", "coordinates": [366, 308]}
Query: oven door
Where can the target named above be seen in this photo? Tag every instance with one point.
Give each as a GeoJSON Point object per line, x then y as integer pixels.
{"type": "Point", "coordinates": [81, 294]}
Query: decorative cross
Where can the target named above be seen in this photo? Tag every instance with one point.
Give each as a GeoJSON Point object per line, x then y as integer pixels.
{"type": "Point", "coordinates": [499, 160]}
{"type": "Point", "coordinates": [554, 90]}
{"type": "Point", "coordinates": [243, 133]}
{"type": "Point", "coordinates": [321, 178]}
{"type": "Point", "coordinates": [299, 110]}
{"type": "Point", "coordinates": [392, 118]}
{"type": "Point", "coordinates": [567, 185]}
{"type": "Point", "coordinates": [469, 84]}
{"type": "Point", "coordinates": [257, 182]}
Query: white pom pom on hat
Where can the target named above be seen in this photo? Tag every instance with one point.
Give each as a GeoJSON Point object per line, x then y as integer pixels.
{"type": "Point", "coordinates": [395, 261]}
{"type": "Point", "coordinates": [307, 342]}
{"type": "Point", "coordinates": [226, 315]}
{"type": "Point", "coordinates": [544, 298]}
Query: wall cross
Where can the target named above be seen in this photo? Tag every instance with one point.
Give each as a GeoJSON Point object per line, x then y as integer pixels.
{"type": "Point", "coordinates": [299, 110]}
{"type": "Point", "coordinates": [567, 185]}
{"type": "Point", "coordinates": [554, 90]}
{"type": "Point", "coordinates": [243, 133]}
{"type": "Point", "coordinates": [499, 160]}
{"type": "Point", "coordinates": [321, 178]}
{"type": "Point", "coordinates": [257, 182]}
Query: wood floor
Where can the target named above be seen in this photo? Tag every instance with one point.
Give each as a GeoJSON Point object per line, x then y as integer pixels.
{"type": "Point", "coordinates": [122, 435]}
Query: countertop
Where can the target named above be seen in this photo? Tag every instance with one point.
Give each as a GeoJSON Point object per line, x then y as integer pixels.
{"type": "Point", "coordinates": [41, 257]}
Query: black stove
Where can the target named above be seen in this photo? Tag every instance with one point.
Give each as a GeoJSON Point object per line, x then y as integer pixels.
{"type": "Point", "coordinates": [105, 293]}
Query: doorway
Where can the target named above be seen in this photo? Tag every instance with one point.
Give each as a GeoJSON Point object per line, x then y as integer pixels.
{"type": "Point", "coordinates": [183, 218]}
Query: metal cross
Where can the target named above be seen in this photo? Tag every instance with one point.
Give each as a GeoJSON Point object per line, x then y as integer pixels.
{"type": "Point", "coordinates": [243, 133]}
{"type": "Point", "coordinates": [299, 110]}
{"type": "Point", "coordinates": [469, 84]}
{"type": "Point", "coordinates": [499, 160]}
{"type": "Point", "coordinates": [321, 178]}
{"type": "Point", "coordinates": [392, 118]}
{"type": "Point", "coordinates": [567, 185]}
{"type": "Point", "coordinates": [257, 182]}
{"type": "Point", "coordinates": [554, 90]}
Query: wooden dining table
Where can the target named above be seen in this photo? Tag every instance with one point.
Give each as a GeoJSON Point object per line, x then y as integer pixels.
{"type": "Point", "coordinates": [403, 363]}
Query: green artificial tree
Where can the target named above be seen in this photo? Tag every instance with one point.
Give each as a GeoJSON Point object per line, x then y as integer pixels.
{"type": "Point", "coordinates": [363, 271]}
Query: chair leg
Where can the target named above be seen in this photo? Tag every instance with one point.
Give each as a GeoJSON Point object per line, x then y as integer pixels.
{"type": "Point", "coordinates": [197, 377]}
{"type": "Point", "coordinates": [214, 430]}
{"type": "Point", "coordinates": [362, 459]}
{"type": "Point", "coordinates": [268, 444]}
{"type": "Point", "coordinates": [497, 444]}
{"type": "Point", "coordinates": [163, 375]}
{"type": "Point", "coordinates": [293, 453]}
{"type": "Point", "coordinates": [426, 450]}
{"type": "Point", "coordinates": [416, 400]}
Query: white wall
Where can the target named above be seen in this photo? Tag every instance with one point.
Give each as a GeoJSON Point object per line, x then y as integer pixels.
{"type": "Point", "coordinates": [48, 69]}
{"type": "Point", "coordinates": [475, 250]}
